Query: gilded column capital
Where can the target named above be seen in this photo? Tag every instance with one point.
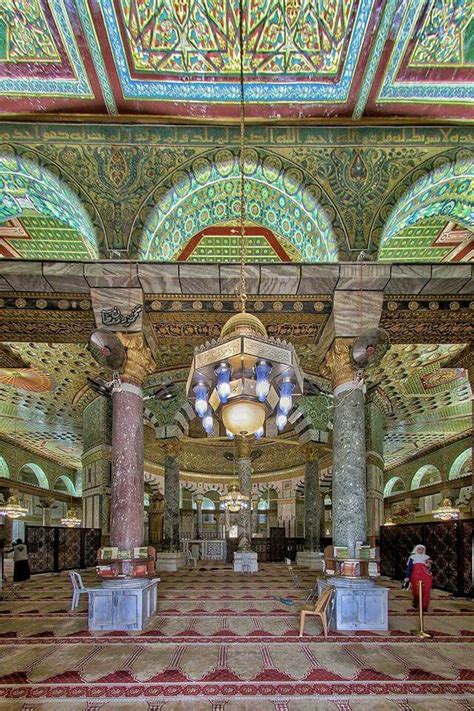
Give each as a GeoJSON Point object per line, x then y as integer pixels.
{"type": "Point", "coordinates": [244, 447]}
{"type": "Point", "coordinates": [310, 452]}
{"type": "Point", "coordinates": [171, 447]}
{"type": "Point", "coordinates": [139, 361]}
{"type": "Point", "coordinates": [338, 364]}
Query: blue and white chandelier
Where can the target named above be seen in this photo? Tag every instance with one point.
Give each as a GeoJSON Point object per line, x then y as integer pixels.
{"type": "Point", "coordinates": [244, 378]}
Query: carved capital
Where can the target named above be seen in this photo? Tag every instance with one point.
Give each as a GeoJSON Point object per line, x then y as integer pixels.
{"type": "Point", "coordinates": [310, 452]}
{"type": "Point", "coordinates": [338, 365]}
{"type": "Point", "coordinates": [244, 447]}
{"type": "Point", "coordinates": [171, 447]}
{"type": "Point", "coordinates": [139, 359]}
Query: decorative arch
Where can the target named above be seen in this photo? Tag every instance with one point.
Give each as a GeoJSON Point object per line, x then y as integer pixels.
{"type": "Point", "coordinates": [393, 486]}
{"type": "Point", "coordinates": [446, 191]}
{"type": "Point", "coordinates": [67, 485]}
{"type": "Point", "coordinates": [206, 192]}
{"type": "Point", "coordinates": [460, 466]}
{"type": "Point", "coordinates": [27, 185]}
{"type": "Point", "coordinates": [4, 470]}
{"type": "Point", "coordinates": [427, 474]}
{"type": "Point", "coordinates": [36, 471]}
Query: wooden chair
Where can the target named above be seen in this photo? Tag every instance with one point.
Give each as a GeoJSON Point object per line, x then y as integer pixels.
{"type": "Point", "coordinates": [320, 609]}
{"type": "Point", "coordinates": [77, 588]}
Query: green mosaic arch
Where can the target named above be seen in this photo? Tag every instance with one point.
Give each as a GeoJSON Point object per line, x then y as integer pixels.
{"type": "Point", "coordinates": [426, 470]}
{"type": "Point", "coordinates": [70, 488]}
{"type": "Point", "coordinates": [446, 192]}
{"type": "Point", "coordinates": [391, 484]}
{"type": "Point", "coordinates": [28, 186]}
{"type": "Point", "coordinates": [4, 470]}
{"type": "Point", "coordinates": [206, 192]}
{"type": "Point", "coordinates": [401, 189]}
{"type": "Point", "coordinates": [457, 467]}
{"type": "Point", "coordinates": [41, 477]}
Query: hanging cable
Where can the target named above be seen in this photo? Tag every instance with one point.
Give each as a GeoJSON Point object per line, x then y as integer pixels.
{"type": "Point", "coordinates": [243, 245]}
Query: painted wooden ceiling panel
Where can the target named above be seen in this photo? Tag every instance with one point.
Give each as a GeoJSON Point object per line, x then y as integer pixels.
{"type": "Point", "coordinates": [181, 57]}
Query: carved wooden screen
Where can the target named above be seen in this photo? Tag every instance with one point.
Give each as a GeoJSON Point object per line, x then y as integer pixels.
{"type": "Point", "coordinates": [51, 549]}
{"type": "Point", "coordinates": [448, 543]}
{"type": "Point", "coordinates": [40, 541]}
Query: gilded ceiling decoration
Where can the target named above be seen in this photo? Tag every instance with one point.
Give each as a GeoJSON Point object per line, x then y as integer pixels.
{"type": "Point", "coordinates": [336, 57]}
{"type": "Point", "coordinates": [429, 403]}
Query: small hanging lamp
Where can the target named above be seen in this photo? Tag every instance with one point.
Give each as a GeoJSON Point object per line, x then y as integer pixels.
{"type": "Point", "coordinates": [13, 508]}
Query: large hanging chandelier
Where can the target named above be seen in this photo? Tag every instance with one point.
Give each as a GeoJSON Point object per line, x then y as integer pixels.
{"type": "Point", "coordinates": [234, 500]}
{"type": "Point", "coordinates": [71, 520]}
{"type": "Point", "coordinates": [13, 508]}
{"type": "Point", "coordinates": [244, 376]}
{"type": "Point", "coordinates": [446, 511]}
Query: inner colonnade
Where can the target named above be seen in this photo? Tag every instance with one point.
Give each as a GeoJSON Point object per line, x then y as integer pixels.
{"type": "Point", "coordinates": [236, 361]}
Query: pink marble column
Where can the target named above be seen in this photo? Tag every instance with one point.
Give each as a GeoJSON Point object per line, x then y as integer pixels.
{"type": "Point", "coordinates": [127, 509]}
{"type": "Point", "coordinates": [127, 506]}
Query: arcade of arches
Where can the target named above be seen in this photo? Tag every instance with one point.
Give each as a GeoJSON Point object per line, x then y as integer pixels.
{"type": "Point", "coordinates": [121, 180]}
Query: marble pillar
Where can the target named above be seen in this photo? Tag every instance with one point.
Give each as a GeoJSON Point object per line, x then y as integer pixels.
{"type": "Point", "coordinates": [254, 514]}
{"type": "Point", "coordinates": [226, 521]}
{"type": "Point", "coordinates": [96, 465]}
{"type": "Point", "coordinates": [312, 501]}
{"type": "Point", "coordinates": [244, 471]}
{"type": "Point", "coordinates": [349, 510]}
{"type": "Point", "coordinates": [374, 419]}
{"type": "Point", "coordinates": [155, 520]}
{"type": "Point", "coordinates": [199, 501]}
{"type": "Point", "coordinates": [46, 505]}
{"type": "Point", "coordinates": [171, 516]}
{"type": "Point", "coordinates": [127, 508]}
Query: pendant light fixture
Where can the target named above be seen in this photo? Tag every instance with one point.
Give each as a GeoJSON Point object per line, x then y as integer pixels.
{"type": "Point", "coordinates": [243, 377]}
{"type": "Point", "coordinates": [13, 508]}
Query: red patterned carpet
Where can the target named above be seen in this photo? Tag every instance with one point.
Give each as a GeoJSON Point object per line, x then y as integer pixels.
{"type": "Point", "coordinates": [227, 641]}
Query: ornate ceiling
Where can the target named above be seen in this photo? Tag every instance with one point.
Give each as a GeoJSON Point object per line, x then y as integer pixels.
{"type": "Point", "coordinates": [347, 58]}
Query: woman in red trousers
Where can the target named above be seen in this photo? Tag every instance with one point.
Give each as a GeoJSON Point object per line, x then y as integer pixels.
{"type": "Point", "coordinates": [419, 568]}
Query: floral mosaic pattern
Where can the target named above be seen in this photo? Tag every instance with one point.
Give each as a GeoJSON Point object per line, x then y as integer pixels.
{"type": "Point", "coordinates": [208, 192]}
{"type": "Point", "coordinates": [28, 185]}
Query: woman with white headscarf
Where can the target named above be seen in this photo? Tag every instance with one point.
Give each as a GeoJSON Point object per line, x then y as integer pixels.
{"type": "Point", "coordinates": [419, 568]}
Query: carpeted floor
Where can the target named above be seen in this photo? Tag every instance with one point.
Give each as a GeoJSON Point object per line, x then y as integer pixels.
{"type": "Point", "coordinates": [228, 641]}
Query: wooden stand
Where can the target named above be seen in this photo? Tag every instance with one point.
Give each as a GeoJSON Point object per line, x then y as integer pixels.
{"type": "Point", "coordinates": [125, 565]}
{"type": "Point", "coordinates": [350, 567]}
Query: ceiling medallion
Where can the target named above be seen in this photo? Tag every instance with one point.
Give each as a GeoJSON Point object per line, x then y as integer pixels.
{"type": "Point", "coordinates": [244, 376]}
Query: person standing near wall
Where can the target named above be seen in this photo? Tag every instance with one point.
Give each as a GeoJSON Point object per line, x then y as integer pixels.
{"type": "Point", "coordinates": [21, 566]}
{"type": "Point", "coordinates": [419, 569]}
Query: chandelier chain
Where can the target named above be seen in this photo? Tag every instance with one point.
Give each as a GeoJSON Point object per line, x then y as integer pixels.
{"type": "Point", "coordinates": [243, 240]}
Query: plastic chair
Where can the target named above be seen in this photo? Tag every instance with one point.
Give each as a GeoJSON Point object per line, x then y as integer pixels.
{"type": "Point", "coordinates": [191, 560]}
{"type": "Point", "coordinates": [77, 588]}
{"type": "Point", "coordinates": [293, 576]}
